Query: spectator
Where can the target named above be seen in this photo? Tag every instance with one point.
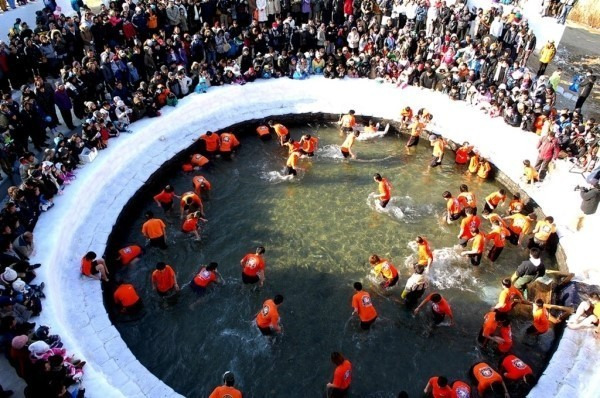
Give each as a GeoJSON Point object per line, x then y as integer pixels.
{"type": "Point", "coordinates": [589, 203]}
{"type": "Point", "coordinates": [528, 270]}
{"type": "Point", "coordinates": [547, 54]}
{"type": "Point", "coordinates": [585, 89]}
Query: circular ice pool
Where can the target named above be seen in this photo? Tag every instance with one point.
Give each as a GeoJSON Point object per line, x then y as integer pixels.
{"type": "Point", "coordinates": [319, 231]}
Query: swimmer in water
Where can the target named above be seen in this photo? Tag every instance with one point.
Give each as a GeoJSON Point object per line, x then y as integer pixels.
{"type": "Point", "coordinates": [192, 224]}
{"type": "Point", "coordinates": [424, 252]}
{"type": "Point", "coordinates": [164, 279]}
{"type": "Point", "coordinates": [253, 267]}
{"type": "Point", "coordinates": [383, 268]}
{"type": "Point", "coordinates": [342, 377]}
{"type": "Point", "coordinates": [267, 319]}
{"type": "Point", "coordinates": [205, 276]}
{"type": "Point", "coordinates": [227, 390]}
{"type": "Point", "coordinates": [363, 306]}
{"type": "Point", "coordinates": [165, 199]}
{"type": "Point", "coordinates": [385, 190]}
{"type": "Point", "coordinates": [439, 308]}
{"type": "Point", "coordinates": [283, 135]}
{"type": "Point", "coordinates": [292, 163]}
{"type": "Point", "coordinates": [308, 145]}
{"type": "Point", "coordinates": [189, 202]}
{"type": "Point", "coordinates": [347, 122]}
{"type": "Point", "coordinates": [346, 147]}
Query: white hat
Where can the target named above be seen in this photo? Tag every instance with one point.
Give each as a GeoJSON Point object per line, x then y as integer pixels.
{"type": "Point", "coordinates": [38, 349]}
{"type": "Point", "coordinates": [120, 103]}
{"type": "Point", "coordinates": [9, 275]}
{"type": "Point", "coordinates": [19, 285]}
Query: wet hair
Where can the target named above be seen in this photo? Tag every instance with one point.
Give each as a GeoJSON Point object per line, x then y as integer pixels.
{"type": "Point", "coordinates": [469, 210]}
{"type": "Point", "coordinates": [442, 381]}
{"type": "Point", "coordinates": [270, 122]}
{"type": "Point", "coordinates": [506, 282]}
{"type": "Point", "coordinates": [228, 379]}
{"type": "Point", "coordinates": [517, 195]}
{"type": "Point", "coordinates": [529, 379]}
{"type": "Point", "coordinates": [500, 316]}
{"type": "Point", "coordinates": [549, 219]}
{"type": "Point", "coordinates": [278, 299]}
{"type": "Point", "coordinates": [90, 255]}
{"type": "Point", "coordinates": [502, 191]}
{"type": "Point", "coordinates": [420, 239]}
{"type": "Point", "coordinates": [419, 269]}
{"type": "Point", "coordinates": [169, 188]}
{"type": "Point", "coordinates": [356, 133]}
{"type": "Point", "coordinates": [534, 252]}
{"type": "Point", "coordinates": [209, 133]}
{"type": "Point", "coordinates": [189, 200]}
{"type": "Point", "coordinates": [475, 229]}
{"type": "Point", "coordinates": [212, 266]}
{"type": "Point", "coordinates": [539, 302]}
{"type": "Point", "coordinates": [527, 163]}
{"type": "Point", "coordinates": [161, 265]}
{"type": "Point", "coordinates": [377, 176]}
{"type": "Point", "coordinates": [505, 322]}
{"type": "Point", "coordinates": [485, 211]}
{"type": "Point", "coordinates": [464, 188]}
{"type": "Point", "coordinates": [358, 286]}
{"type": "Point", "coordinates": [337, 358]}
{"type": "Point", "coordinates": [436, 297]}
{"type": "Point", "coordinates": [374, 259]}
{"type": "Point", "coordinates": [308, 136]}
{"type": "Point", "coordinates": [149, 214]}
{"type": "Point", "coordinates": [352, 112]}
{"type": "Point", "coordinates": [446, 195]}
{"type": "Point", "coordinates": [595, 296]}
{"type": "Point", "coordinates": [260, 250]}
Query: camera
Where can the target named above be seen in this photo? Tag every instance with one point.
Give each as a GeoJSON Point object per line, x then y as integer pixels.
{"type": "Point", "coordinates": [580, 188]}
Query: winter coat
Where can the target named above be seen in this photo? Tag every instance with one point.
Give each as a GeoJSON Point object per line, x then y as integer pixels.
{"type": "Point", "coordinates": [547, 53]}
{"type": "Point", "coordinates": [61, 97]}
{"type": "Point", "coordinates": [548, 148]}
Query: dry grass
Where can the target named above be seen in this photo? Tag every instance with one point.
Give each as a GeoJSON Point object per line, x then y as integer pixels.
{"type": "Point", "coordinates": [586, 12]}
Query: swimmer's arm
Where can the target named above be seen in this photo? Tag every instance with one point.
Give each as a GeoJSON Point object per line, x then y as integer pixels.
{"type": "Point", "coordinates": [427, 388]}
{"type": "Point", "coordinates": [421, 305]}
{"type": "Point", "coordinates": [506, 394]}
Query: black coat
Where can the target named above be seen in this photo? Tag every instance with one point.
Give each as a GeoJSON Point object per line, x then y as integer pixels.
{"type": "Point", "coordinates": [586, 86]}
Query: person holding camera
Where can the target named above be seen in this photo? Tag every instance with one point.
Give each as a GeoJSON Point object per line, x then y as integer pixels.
{"type": "Point", "coordinates": [589, 204]}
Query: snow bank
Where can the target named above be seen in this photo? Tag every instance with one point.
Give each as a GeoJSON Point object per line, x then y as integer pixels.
{"type": "Point", "coordinates": [82, 219]}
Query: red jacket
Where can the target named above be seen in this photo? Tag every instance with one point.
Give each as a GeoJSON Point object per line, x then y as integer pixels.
{"type": "Point", "coordinates": [548, 148]}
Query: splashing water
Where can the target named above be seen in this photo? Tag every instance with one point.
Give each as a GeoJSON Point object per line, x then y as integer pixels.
{"type": "Point", "coordinates": [330, 152]}
{"type": "Point", "coordinates": [449, 271]}
{"type": "Point", "coordinates": [392, 209]}
{"type": "Point", "coordinates": [276, 177]}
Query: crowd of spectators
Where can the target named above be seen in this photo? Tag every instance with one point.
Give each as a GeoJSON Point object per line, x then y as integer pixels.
{"type": "Point", "coordinates": [126, 61]}
{"type": "Point", "coordinates": [122, 62]}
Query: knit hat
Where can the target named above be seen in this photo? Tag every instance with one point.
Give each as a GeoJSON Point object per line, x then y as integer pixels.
{"type": "Point", "coordinates": [19, 342]}
{"type": "Point", "coordinates": [19, 285]}
{"type": "Point", "coordinates": [9, 275]}
{"type": "Point", "coordinates": [38, 349]}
